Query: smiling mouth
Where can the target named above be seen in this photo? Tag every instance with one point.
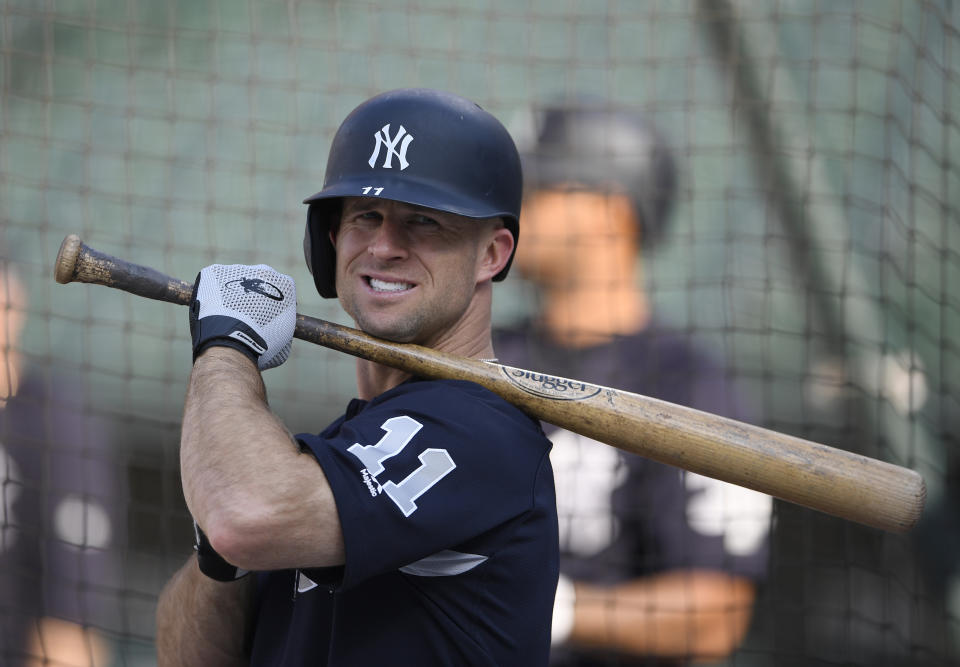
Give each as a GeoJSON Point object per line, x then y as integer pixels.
{"type": "Point", "coordinates": [387, 286]}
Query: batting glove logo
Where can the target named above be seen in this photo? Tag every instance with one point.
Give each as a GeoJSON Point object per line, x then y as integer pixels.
{"type": "Point", "coordinates": [257, 286]}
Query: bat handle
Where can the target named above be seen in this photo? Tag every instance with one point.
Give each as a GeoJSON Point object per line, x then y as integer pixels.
{"type": "Point", "coordinates": [66, 265]}
{"type": "Point", "coordinates": [77, 262]}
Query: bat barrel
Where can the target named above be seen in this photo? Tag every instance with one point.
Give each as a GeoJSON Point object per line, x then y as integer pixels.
{"type": "Point", "coordinates": [841, 483]}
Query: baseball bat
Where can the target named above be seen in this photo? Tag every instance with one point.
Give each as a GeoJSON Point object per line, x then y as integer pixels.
{"type": "Point", "coordinates": [834, 481]}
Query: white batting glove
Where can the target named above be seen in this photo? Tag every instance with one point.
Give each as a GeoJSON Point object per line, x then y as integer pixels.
{"type": "Point", "coordinates": [563, 611]}
{"type": "Point", "coordinates": [249, 308]}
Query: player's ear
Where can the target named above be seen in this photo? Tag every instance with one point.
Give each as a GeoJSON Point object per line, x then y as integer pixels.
{"type": "Point", "coordinates": [496, 251]}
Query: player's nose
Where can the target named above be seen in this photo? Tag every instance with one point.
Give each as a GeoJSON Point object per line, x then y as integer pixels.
{"type": "Point", "coordinates": [388, 241]}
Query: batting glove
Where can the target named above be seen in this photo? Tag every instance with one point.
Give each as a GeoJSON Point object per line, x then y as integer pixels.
{"type": "Point", "coordinates": [249, 308]}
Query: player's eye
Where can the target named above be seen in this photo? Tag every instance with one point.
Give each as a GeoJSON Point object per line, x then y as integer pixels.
{"type": "Point", "coordinates": [421, 220]}
{"type": "Point", "coordinates": [366, 218]}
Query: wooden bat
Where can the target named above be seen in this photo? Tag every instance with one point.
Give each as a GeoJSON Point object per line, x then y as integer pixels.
{"type": "Point", "coordinates": [834, 481]}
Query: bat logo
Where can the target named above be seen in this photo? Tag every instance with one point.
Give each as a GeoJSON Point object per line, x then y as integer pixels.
{"type": "Point", "coordinates": [257, 286]}
{"type": "Point", "coordinates": [550, 386]}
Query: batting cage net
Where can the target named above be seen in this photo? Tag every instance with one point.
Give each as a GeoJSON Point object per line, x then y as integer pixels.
{"type": "Point", "coordinates": [774, 237]}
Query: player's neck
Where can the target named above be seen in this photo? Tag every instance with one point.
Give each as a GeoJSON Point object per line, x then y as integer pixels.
{"type": "Point", "coordinates": [578, 318]}
{"type": "Point", "coordinates": [603, 299]}
{"type": "Point", "coordinates": [373, 379]}
{"type": "Point", "coordinates": [9, 376]}
{"type": "Point", "coordinates": [469, 337]}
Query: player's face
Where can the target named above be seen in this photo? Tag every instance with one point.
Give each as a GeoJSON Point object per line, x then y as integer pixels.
{"type": "Point", "coordinates": [408, 273]}
{"type": "Point", "coordinates": [561, 228]}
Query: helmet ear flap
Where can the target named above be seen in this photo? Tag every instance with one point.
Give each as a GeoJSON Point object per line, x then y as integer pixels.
{"type": "Point", "coordinates": [318, 250]}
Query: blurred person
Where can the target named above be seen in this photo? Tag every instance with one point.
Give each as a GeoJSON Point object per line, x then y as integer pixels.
{"type": "Point", "coordinates": [420, 527]}
{"type": "Point", "coordinates": [658, 566]}
{"type": "Point", "coordinates": [61, 508]}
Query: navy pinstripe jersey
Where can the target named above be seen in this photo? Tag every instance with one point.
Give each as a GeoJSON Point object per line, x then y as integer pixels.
{"type": "Point", "coordinates": [623, 516]}
{"type": "Point", "coordinates": [447, 506]}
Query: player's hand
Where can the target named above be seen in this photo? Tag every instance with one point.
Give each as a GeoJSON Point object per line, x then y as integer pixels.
{"type": "Point", "coordinates": [249, 308]}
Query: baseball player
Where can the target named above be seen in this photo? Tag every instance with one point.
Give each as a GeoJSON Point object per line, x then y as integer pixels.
{"type": "Point", "coordinates": [61, 507]}
{"type": "Point", "coordinates": [657, 565]}
{"type": "Point", "coordinates": [420, 527]}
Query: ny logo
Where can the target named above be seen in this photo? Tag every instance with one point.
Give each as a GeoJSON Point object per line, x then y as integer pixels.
{"type": "Point", "coordinates": [384, 139]}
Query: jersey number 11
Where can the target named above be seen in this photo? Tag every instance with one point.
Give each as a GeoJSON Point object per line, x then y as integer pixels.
{"type": "Point", "coordinates": [435, 463]}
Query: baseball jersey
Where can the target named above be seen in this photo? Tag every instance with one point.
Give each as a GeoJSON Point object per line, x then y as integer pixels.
{"type": "Point", "coordinates": [62, 511]}
{"type": "Point", "coordinates": [447, 506]}
{"type": "Point", "coordinates": [623, 516]}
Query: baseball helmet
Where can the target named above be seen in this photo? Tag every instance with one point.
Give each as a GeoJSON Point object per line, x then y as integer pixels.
{"type": "Point", "coordinates": [417, 146]}
{"type": "Point", "coordinates": [586, 145]}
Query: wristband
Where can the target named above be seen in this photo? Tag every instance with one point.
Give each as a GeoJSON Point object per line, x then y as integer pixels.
{"type": "Point", "coordinates": [211, 563]}
{"type": "Point", "coordinates": [220, 330]}
{"type": "Point", "coordinates": [563, 611]}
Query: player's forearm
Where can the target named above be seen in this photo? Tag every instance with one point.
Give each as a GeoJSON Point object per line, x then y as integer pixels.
{"type": "Point", "coordinates": [697, 614]}
{"type": "Point", "coordinates": [228, 435]}
{"type": "Point", "coordinates": [202, 622]}
{"type": "Point", "coordinates": [262, 503]}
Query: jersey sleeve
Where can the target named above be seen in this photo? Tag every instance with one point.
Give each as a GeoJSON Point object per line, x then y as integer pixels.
{"type": "Point", "coordinates": [428, 468]}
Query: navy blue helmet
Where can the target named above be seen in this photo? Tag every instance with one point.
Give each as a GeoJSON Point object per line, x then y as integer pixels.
{"type": "Point", "coordinates": [585, 144]}
{"type": "Point", "coordinates": [422, 147]}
